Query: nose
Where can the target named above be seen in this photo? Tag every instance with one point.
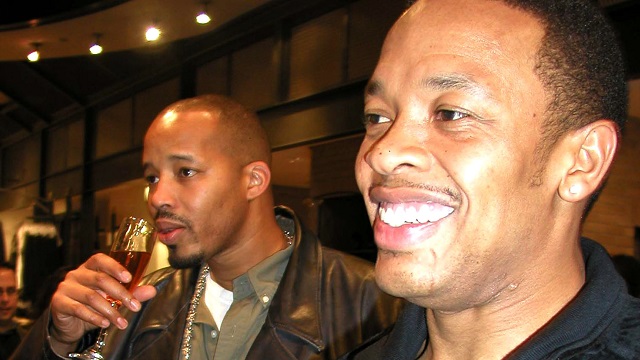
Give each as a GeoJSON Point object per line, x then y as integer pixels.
{"type": "Point", "coordinates": [401, 148]}
{"type": "Point", "coordinates": [161, 194]}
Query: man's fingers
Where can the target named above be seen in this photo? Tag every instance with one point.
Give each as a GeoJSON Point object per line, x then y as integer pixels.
{"type": "Point", "coordinates": [143, 293]}
{"type": "Point", "coordinates": [102, 263]}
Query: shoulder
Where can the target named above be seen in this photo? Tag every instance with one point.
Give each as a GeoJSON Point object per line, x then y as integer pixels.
{"type": "Point", "coordinates": [355, 277]}
{"type": "Point", "coordinates": [629, 325]}
{"type": "Point", "coordinates": [158, 276]}
{"type": "Point", "coordinates": [370, 349]}
{"type": "Point", "coordinates": [23, 326]}
{"type": "Point", "coordinates": [161, 277]}
{"type": "Point", "coordinates": [341, 266]}
{"type": "Point", "coordinates": [333, 257]}
{"type": "Point", "coordinates": [622, 340]}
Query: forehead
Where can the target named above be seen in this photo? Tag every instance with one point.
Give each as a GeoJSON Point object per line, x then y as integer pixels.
{"type": "Point", "coordinates": [7, 278]}
{"type": "Point", "coordinates": [184, 130]}
{"type": "Point", "coordinates": [484, 38]}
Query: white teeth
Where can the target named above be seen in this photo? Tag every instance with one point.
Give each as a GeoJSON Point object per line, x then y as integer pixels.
{"type": "Point", "coordinates": [401, 214]}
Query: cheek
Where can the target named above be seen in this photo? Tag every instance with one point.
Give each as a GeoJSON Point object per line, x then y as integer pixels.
{"type": "Point", "coordinates": [151, 209]}
{"type": "Point", "coordinates": [486, 170]}
{"type": "Point", "coordinates": [364, 175]}
{"type": "Point", "coordinates": [203, 201]}
{"type": "Point", "coordinates": [362, 169]}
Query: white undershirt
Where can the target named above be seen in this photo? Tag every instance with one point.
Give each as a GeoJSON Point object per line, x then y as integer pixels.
{"type": "Point", "coordinates": [218, 300]}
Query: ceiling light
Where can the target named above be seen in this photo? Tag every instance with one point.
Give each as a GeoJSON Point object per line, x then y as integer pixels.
{"type": "Point", "coordinates": [96, 48]}
{"type": "Point", "coordinates": [153, 33]}
{"type": "Point", "coordinates": [35, 54]}
{"type": "Point", "coordinates": [203, 17]}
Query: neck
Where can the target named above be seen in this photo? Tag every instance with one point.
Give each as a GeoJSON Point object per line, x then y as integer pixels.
{"type": "Point", "coordinates": [494, 329]}
{"type": "Point", "coordinates": [6, 325]}
{"type": "Point", "coordinates": [254, 244]}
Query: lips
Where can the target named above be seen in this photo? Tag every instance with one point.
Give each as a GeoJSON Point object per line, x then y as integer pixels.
{"type": "Point", "coordinates": [168, 231]}
{"type": "Point", "coordinates": [6, 311]}
{"type": "Point", "coordinates": [410, 217]}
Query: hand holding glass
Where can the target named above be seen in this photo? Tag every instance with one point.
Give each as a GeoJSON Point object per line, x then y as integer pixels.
{"type": "Point", "coordinates": [132, 248]}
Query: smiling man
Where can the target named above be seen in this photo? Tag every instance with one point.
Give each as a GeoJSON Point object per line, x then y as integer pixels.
{"type": "Point", "coordinates": [489, 127]}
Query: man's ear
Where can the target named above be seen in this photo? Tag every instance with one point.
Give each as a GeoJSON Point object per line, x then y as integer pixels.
{"type": "Point", "coordinates": [594, 147]}
{"type": "Point", "coordinates": [259, 178]}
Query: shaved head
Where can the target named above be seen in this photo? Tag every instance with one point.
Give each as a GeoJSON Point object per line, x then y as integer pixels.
{"type": "Point", "coordinates": [243, 136]}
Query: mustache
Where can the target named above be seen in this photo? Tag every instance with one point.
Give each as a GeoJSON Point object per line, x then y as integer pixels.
{"type": "Point", "coordinates": [404, 183]}
{"type": "Point", "coordinates": [166, 214]}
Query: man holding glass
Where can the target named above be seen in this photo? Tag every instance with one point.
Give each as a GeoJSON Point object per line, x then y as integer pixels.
{"type": "Point", "coordinates": [244, 282]}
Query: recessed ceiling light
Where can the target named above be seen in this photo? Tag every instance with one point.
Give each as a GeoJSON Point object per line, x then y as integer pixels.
{"type": "Point", "coordinates": [153, 33]}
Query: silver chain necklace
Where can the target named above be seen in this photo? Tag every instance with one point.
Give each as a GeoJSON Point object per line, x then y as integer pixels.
{"type": "Point", "coordinates": [191, 315]}
{"type": "Point", "coordinates": [195, 301]}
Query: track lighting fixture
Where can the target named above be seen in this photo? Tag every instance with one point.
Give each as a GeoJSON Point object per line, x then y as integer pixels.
{"type": "Point", "coordinates": [34, 55]}
{"type": "Point", "coordinates": [203, 17]}
{"type": "Point", "coordinates": [96, 48]}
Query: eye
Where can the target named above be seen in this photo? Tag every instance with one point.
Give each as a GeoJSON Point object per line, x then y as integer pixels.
{"type": "Point", "coordinates": [373, 119]}
{"type": "Point", "coordinates": [151, 179]}
{"type": "Point", "coordinates": [450, 115]}
{"type": "Point", "coordinates": [186, 172]}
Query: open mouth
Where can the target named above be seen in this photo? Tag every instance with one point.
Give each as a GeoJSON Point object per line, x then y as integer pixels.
{"type": "Point", "coordinates": [396, 215]}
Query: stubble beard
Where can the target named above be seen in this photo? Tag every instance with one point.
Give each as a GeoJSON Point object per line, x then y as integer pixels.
{"type": "Point", "coordinates": [185, 262]}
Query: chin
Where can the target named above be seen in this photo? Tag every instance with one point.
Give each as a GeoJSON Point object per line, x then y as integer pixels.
{"type": "Point", "coordinates": [391, 282]}
{"type": "Point", "coordinates": [184, 262]}
{"type": "Point", "coordinates": [402, 279]}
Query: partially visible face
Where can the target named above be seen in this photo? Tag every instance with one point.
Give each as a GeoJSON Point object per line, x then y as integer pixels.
{"type": "Point", "coordinates": [195, 188]}
{"type": "Point", "coordinates": [8, 295]}
{"type": "Point", "coordinates": [447, 166]}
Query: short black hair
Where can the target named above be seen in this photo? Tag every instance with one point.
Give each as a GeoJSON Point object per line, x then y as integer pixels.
{"type": "Point", "coordinates": [580, 63]}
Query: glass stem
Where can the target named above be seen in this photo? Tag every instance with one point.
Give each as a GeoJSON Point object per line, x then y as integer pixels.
{"type": "Point", "coordinates": [102, 335]}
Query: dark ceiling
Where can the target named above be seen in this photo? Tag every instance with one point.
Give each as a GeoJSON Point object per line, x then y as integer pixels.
{"type": "Point", "coordinates": [16, 14]}
{"type": "Point", "coordinates": [38, 94]}
{"type": "Point", "coordinates": [34, 96]}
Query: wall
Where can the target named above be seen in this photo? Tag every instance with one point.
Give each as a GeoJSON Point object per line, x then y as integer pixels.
{"type": "Point", "coordinates": [11, 221]}
{"type": "Point", "coordinates": [616, 214]}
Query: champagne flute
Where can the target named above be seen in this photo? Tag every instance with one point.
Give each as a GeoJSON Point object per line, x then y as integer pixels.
{"type": "Point", "coordinates": [132, 248]}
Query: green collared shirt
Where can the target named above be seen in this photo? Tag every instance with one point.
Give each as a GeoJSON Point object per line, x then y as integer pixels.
{"type": "Point", "coordinates": [252, 294]}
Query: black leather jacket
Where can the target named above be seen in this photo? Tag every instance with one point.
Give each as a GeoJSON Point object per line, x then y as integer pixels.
{"type": "Point", "coordinates": [326, 304]}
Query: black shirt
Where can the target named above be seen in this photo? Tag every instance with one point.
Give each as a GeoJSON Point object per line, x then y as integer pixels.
{"type": "Point", "coordinates": [602, 322]}
{"type": "Point", "coordinates": [9, 341]}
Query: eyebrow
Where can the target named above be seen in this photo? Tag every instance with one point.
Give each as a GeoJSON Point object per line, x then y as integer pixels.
{"type": "Point", "coordinates": [176, 157]}
{"type": "Point", "coordinates": [441, 82]}
{"type": "Point", "coordinates": [446, 82]}
{"type": "Point", "coordinates": [373, 88]}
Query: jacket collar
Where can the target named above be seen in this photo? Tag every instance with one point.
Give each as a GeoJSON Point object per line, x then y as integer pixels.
{"type": "Point", "coordinates": [296, 306]}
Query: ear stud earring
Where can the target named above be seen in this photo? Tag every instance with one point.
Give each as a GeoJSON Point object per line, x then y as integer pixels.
{"type": "Point", "coordinates": [574, 189]}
